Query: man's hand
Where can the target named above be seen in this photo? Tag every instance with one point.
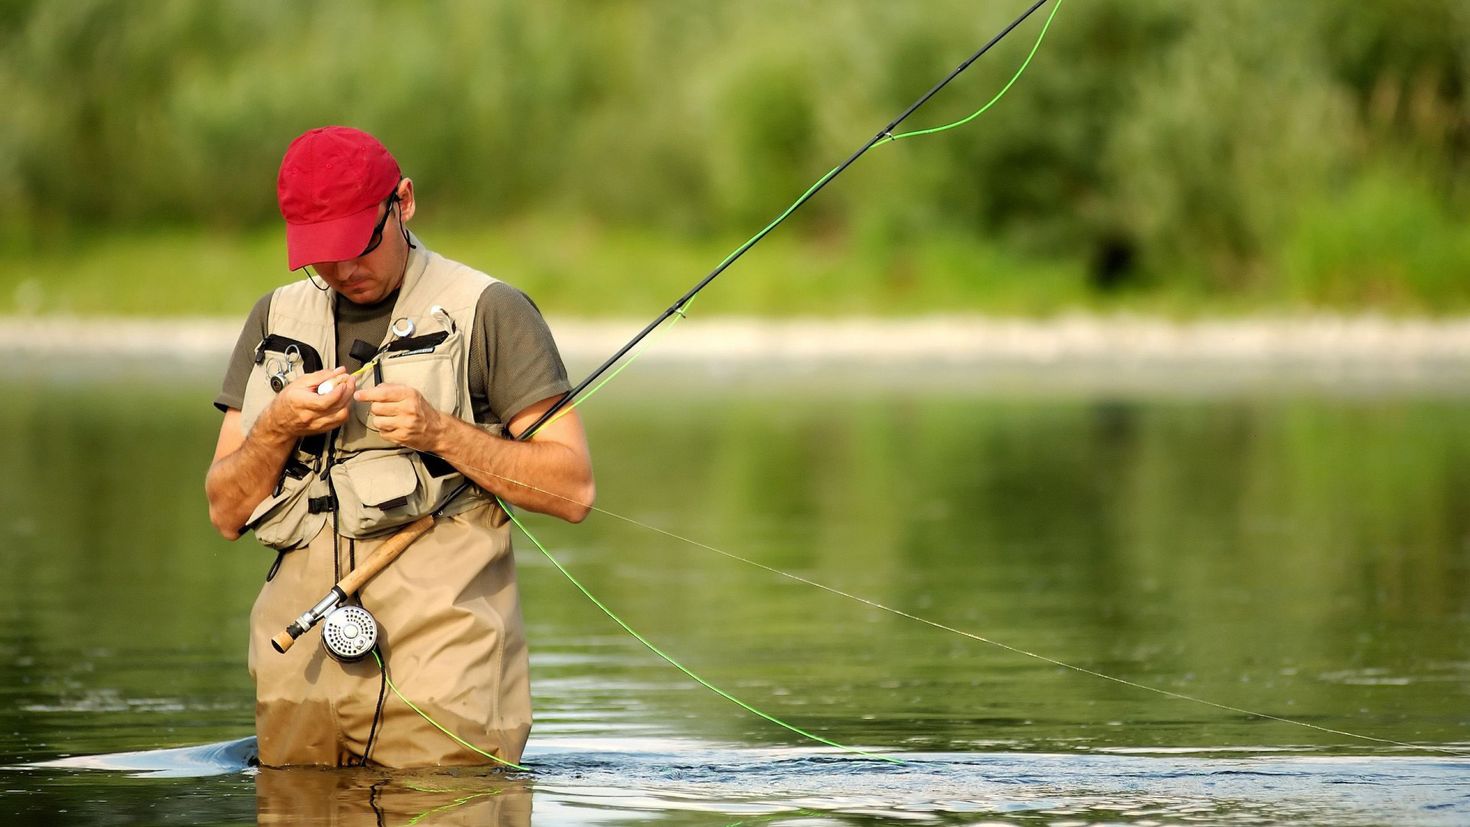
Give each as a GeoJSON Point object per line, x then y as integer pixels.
{"type": "Point", "coordinates": [402, 416]}
{"type": "Point", "coordinates": [298, 410]}
{"type": "Point", "coordinates": [246, 467]}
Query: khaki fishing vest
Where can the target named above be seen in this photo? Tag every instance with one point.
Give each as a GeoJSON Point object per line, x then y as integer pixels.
{"type": "Point", "coordinates": [354, 476]}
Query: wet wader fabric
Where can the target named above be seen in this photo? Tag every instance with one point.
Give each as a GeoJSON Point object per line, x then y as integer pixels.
{"type": "Point", "coordinates": [452, 637]}
{"type": "Point", "coordinates": [447, 609]}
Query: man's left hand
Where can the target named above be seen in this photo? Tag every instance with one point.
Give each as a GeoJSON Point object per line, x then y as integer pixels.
{"type": "Point", "coordinates": [402, 416]}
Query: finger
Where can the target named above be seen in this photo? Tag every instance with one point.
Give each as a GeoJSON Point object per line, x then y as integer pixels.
{"type": "Point", "coordinates": [314, 379]}
{"type": "Point", "coordinates": [384, 393]}
{"type": "Point", "coordinates": [388, 410]}
{"type": "Point", "coordinates": [388, 430]}
{"type": "Point", "coordinates": [334, 382]}
{"type": "Point", "coordinates": [309, 400]}
{"type": "Point", "coordinates": [340, 394]}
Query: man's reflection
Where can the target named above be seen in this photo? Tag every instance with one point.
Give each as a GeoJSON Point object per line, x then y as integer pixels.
{"type": "Point", "coordinates": [379, 797]}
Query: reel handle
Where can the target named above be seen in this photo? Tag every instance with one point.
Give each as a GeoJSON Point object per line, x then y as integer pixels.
{"type": "Point", "coordinates": [355, 580]}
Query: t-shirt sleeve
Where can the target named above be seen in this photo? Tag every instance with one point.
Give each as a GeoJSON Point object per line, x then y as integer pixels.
{"type": "Point", "coordinates": [237, 373]}
{"type": "Point", "coordinates": [517, 354]}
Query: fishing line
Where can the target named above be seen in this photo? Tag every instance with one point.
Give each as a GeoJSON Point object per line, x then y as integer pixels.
{"type": "Point", "coordinates": [683, 308]}
{"type": "Point", "coordinates": [458, 740]}
{"type": "Point", "coordinates": [998, 95]}
{"type": "Point", "coordinates": [885, 134]}
{"type": "Point", "coordinates": [670, 659]}
{"type": "Point", "coordinates": [679, 309]}
{"type": "Point", "coordinates": [910, 616]}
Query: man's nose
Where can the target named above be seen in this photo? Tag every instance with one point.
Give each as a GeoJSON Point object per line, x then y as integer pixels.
{"type": "Point", "coordinates": [343, 271]}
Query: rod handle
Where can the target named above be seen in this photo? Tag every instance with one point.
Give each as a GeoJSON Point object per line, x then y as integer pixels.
{"type": "Point", "coordinates": [385, 554]}
{"type": "Point", "coordinates": [283, 641]}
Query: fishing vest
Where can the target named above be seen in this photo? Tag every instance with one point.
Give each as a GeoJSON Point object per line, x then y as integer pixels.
{"type": "Point", "coordinates": [353, 476]}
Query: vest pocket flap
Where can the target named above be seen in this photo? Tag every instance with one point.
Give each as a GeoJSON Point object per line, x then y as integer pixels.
{"type": "Point", "coordinates": [286, 520]}
{"type": "Point", "coordinates": [383, 482]}
{"type": "Point", "coordinates": [266, 506]}
{"type": "Point", "coordinates": [376, 491]}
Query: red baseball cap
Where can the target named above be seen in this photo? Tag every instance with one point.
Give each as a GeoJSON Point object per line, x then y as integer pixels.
{"type": "Point", "coordinates": [332, 180]}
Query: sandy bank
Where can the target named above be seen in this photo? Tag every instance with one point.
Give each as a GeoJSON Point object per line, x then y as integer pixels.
{"type": "Point", "coordinates": [943, 339]}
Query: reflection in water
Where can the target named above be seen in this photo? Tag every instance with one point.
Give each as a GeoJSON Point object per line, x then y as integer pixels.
{"type": "Point", "coordinates": [1301, 554]}
{"type": "Point", "coordinates": [310, 796]}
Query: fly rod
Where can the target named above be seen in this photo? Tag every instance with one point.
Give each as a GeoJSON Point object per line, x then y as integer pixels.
{"type": "Point", "coordinates": [334, 603]}
{"type": "Point", "coordinates": [678, 305]}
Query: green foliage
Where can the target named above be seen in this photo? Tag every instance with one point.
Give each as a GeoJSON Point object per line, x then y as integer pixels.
{"type": "Point", "coordinates": [1386, 241]}
{"type": "Point", "coordinates": [1225, 140]}
{"type": "Point", "coordinates": [1159, 148]}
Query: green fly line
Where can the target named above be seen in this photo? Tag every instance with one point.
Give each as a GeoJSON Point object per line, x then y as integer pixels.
{"type": "Point", "coordinates": [681, 313]}
{"type": "Point", "coordinates": [422, 714]}
{"type": "Point", "coordinates": [682, 310]}
{"type": "Point", "coordinates": [670, 659]}
{"type": "Point", "coordinates": [900, 613]}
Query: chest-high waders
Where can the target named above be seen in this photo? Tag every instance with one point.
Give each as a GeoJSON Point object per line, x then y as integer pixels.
{"type": "Point", "coordinates": [448, 612]}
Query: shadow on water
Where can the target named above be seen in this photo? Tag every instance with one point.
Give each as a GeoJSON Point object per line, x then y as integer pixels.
{"type": "Point", "coordinates": [611, 781]}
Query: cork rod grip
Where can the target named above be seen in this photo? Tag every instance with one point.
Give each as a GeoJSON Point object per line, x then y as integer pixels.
{"type": "Point", "coordinates": [283, 641]}
{"type": "Point", "coordinates": [376, 562]}
{"type": "Point", "coordinates": [385, 554]}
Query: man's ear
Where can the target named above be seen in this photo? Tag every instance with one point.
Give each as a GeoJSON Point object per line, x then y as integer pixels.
{"type": "Point", "coordinates": [405, 198]}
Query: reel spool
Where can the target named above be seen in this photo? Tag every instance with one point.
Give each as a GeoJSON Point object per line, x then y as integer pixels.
{"type": "Point", "coordinates": [349, 633]}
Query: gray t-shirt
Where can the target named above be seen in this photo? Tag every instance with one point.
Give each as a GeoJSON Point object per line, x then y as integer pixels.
{"type": "Point", "coordinates": [513, 361]}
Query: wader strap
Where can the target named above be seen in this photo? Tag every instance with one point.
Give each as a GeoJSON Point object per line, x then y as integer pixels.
{"type": "Point", "coordinates": [276, 566]}
{"type": "Point", "coordinates": [321, 505]}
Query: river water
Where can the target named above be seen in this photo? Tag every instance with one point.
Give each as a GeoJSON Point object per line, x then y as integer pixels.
{"type": "Point", "coordinates": [1289, 545]}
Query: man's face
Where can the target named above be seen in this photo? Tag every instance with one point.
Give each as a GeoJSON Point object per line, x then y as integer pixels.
{"type": "Point", "coordinates": [378, 270]}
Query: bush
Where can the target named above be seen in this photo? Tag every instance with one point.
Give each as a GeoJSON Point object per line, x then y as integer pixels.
{"type": "Point", "coordinates": [1167, 145]}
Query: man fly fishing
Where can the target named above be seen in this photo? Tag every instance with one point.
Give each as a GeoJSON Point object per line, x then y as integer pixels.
{"type": "Point", "coordinates": [376, 391]}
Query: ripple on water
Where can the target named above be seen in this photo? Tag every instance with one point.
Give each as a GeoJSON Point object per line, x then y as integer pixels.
{"type": "Point", "coordinates": [609, 780]}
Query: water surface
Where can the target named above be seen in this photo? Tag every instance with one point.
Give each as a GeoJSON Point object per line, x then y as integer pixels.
{"type": "Point", "coordinates": [1294, 548]}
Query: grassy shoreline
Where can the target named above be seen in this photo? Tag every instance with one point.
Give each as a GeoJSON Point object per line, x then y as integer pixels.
{"type": "Point", "coordinates": [577, 268]}
{"type": "Point", "coordinates": [569, 267]}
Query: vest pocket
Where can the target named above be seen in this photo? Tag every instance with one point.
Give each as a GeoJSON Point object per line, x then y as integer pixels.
{"type": "Point", "coordinates": [435, 374]}
{"type": "Point", "coordinates": [284, 520]}
{"type": "Point", "coordinates": [279, 361]}
{"type": "Point", "coordinates": [376, 491]}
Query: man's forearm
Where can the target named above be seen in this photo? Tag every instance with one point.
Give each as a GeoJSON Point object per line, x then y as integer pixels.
{"type": "Point", "coordinates": [239, 481]}
{"type": "Point", "coordinates": [247, 467]}
{"type": "Point", "coordinates": [544, 476]}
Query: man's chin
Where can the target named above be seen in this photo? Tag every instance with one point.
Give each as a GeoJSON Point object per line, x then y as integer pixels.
{"type": "Point", "coordinates": [361, 295]}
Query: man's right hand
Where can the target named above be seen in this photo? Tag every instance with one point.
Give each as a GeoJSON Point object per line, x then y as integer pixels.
{"type": "Point", "coordinates": [298, 410]}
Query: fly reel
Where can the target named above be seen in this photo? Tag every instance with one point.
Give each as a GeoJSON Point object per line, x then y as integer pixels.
{"type": "Point", "coordinates": [349, 633]}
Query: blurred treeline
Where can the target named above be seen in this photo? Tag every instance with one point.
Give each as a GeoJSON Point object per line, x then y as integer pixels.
{"type": "Point", "coordinates": [1308, 153]}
